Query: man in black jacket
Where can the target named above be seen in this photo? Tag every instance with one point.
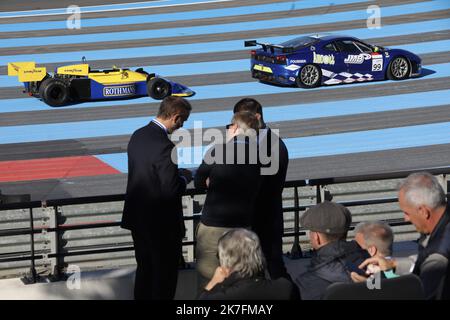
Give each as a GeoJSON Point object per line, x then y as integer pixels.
{"type": "Point", "coordinates": [153, 209]}
{"type": "Point", "coordinates": [240, 275]}
{"type": "Point", "coordinates": [334, 257]}
{"type": "Point", "coordinates": [268, 223]}
{"type": "Point", "coordinates": [422, 200]}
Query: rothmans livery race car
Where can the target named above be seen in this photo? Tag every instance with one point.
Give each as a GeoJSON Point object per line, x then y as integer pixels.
{"type": "Point", "coordinates": [73, 83]}
{"type": "Point", "coordinates": [310, 61]}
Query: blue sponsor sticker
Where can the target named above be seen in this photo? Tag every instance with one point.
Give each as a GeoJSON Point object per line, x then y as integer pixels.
{"type": "Point", "coordinates": [117, 91]}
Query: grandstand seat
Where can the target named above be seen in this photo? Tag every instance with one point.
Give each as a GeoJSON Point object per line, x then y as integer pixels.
{"type": "Point", "coordinates": [445, 294]}
{"type": "Point", "coordinates": [407, 287]}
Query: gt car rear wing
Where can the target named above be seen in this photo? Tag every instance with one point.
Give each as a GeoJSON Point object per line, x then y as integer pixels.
{"type": "Point", "coordinates": [26, 71]}
{"type": "Point", "coordinates": [272, 47]}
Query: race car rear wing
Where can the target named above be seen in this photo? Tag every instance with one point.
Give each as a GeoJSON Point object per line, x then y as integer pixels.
{"type": "Point", "coordinates": [265, 46]}
{"type": "Point", "coordinates": [26, 71]}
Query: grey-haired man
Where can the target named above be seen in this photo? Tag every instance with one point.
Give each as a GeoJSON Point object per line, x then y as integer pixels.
{"type": "Point", "coordinates": [422, 200]}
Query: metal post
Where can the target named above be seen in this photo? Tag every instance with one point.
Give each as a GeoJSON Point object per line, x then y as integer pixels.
{"type": "Point", "coordinates": [188, 206]}
{"type": "Point", "coordinates": [32, 277]}
{"type": "Point", "coordinates": [59, 265]}
{"type": "Point", "coordinates": [318, 194]}
{"type": "Point", "coordinates": [296, 251]}
{"type": "Point", "coordinates": [323, 194]}
{"type": "Point", "coordinates": [33, 265]}
{"type": "Point", "coordinates": [49, 221]}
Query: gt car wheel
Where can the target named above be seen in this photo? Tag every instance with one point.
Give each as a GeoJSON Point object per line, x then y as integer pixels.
{"type": "Point", "coordinates": [309, 76]}
{"type": "Point", "coordinates": [398, 69]}
{"type": "Point", "coordinates": [54, 92]}
{"type": "Point", "coordinates": [158, 88]}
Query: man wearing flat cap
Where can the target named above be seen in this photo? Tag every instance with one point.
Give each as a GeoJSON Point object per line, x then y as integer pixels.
{"type": "Point", "coordinates": [328, 224]}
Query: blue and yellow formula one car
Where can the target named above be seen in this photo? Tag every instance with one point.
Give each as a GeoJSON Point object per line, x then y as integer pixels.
{"type": "Point", "coordinates": [74, 83]}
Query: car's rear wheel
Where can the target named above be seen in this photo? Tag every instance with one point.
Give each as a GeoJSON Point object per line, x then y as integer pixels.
{"type": "Point", "coordinates": [158, 88]}
{"type": "Point", "coordinates": [399, 69]}
{"type": "Point", "coordinates": [309, 76]}
{"type": "Point", "coordinates": [54, 92]}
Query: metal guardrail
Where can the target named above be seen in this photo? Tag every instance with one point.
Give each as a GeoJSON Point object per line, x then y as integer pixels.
{"type": "Point", "coordinates": [296, 252]}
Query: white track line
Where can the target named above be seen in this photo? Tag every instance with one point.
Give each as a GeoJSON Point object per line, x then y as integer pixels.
{"type": "Point", "coordinates": [34, 13]}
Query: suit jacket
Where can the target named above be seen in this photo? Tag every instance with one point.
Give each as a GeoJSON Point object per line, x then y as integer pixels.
{"type": "Point", "coordinates": [154, 189]}
{"type": "Point", "coordinates": [268, 223]}
{"type": "Point", "coordinates": [232, 190]}
{"type": "Point", "coordinates": [433, 256]}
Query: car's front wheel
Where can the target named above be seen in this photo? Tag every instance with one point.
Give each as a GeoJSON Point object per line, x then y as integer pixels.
{"type": "Point", "coordinates": [398, 69]}
{"type": "Point", "coordinates": [309, 76]}
{"type": "Point", "coordinates": [158, 88]}
{"type": "Point", "coordinates": [54, 92]}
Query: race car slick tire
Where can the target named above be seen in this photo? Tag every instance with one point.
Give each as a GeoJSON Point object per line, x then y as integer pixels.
{"type": "Point", "coordinates": [158, 88]}
{"type": "Point", "coordinates": [399, 69]}
{"type": "Point", "coordinates": [54, 92]}
{"type": "Point", "coordinates": [309, 76]}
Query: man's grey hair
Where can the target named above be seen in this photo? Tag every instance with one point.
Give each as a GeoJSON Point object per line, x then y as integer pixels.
{"type": "Point", "coordinates": [422, 188]}
{"type": "Point", "coordinates": [240, 251]}
{"type": "Point", "coordinates": [378, 234]}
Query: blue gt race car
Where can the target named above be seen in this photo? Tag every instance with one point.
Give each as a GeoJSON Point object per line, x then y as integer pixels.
{"type": "Point", "coordinates": [74, 83]}
{"type": "Point", "coordinates": [311, 61]}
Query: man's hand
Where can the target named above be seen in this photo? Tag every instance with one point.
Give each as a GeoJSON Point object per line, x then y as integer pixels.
{"type": "Point", "coordinates": [219, 275]}
{"type": "Point", "coordinates": [187, 174]}
{"type": "Point", "coordinates": [382, 263]}
{"type": "Point", "coordinates": [357, 278]}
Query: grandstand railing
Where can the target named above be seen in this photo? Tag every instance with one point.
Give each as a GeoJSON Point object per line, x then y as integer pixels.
{"type": "Point", "coordinates": [296, 252]}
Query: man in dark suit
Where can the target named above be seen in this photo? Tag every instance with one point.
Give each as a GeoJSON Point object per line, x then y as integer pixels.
{"type": "Point", "coordinates": [268, 220]}
{"type": "Point", "coordinates": [153, 209]}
